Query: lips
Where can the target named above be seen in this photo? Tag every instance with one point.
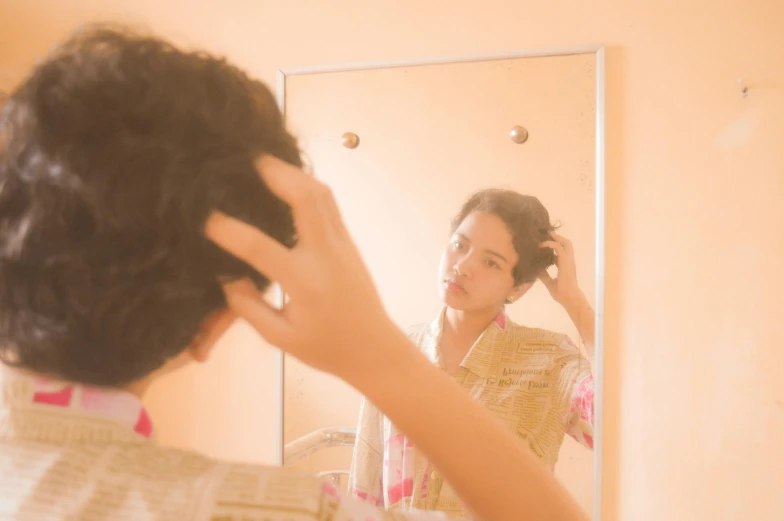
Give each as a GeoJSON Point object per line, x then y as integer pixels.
{"type": "Point", "coordinates": [454, 287]}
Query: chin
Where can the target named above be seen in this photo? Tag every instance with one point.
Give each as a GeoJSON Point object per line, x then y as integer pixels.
{"type": "Point", "coordinates": [454, 302]}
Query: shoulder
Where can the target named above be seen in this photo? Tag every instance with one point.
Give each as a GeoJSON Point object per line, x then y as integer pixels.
{"type": "Point", "coordinates": [224, 487]}
{"type": "Point", "coordinates": [195, 486]}
{"type": "Point", "coordinates": [520, 334]}
{"type": "Point", "coordinates": [193, 464]}
{"type": "Point", "coordinates": [560, 345]}
{"type": "Point", "coordinates": [417, 330]}
{"type": "Point", "coordinates": [424, 336]}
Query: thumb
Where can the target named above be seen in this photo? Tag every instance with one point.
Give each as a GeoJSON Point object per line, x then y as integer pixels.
{"type": "Point", "coordinates": [244, 300]}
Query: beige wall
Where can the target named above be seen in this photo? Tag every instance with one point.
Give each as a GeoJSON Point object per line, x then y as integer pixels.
{"type": "Point", "coordinates": [695, 417]}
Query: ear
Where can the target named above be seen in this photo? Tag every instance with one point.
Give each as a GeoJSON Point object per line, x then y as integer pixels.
{"type": "Point", "coordinates": [210, 331]}
{"type": "Point", "coordinates": [518, 291]}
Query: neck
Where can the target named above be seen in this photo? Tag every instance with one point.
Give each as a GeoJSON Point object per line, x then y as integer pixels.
{"type": "Point", "coordinates": [138, 389]}
{"type": "Point", "coordinates": [468, 325]}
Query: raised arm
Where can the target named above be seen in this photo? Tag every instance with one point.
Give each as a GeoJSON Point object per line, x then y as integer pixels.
{"type": "Point", "coordinates": [565, 290]}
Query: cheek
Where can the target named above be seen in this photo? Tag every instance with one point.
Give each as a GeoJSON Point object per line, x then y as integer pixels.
{"type": "Point", "coordinates": [494, 284]}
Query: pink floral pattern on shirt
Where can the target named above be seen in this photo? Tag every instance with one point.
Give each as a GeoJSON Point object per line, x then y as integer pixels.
{"type": "Point", "coordinates": [581, 415]}
{"type": "Point", "coordinates": [110, 403]}
{"type": "Point", "coordinates": [330, 490]}
{"type": "Point", "coordinates": [398, 468]}
{"type": "Point", "coordinates": [373, 500]}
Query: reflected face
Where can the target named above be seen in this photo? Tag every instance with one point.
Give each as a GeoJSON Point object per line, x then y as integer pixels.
{"type": "Point", "coordinates": [476, 268]}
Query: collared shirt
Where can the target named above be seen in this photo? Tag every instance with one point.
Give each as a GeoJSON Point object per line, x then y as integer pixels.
{"type": "Point", "coordinates": [535, 381]}
{"type": "Point", "coordinates": [70, 452]}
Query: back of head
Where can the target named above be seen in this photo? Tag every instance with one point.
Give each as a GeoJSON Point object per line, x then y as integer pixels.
{"type": "Point", "coordinates": [528, 222]}
{"type": "Point", "coordinates": [113, 153]}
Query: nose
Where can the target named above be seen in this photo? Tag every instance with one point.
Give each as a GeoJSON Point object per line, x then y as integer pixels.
{"type": "Point", "coordinates": [462, 266]}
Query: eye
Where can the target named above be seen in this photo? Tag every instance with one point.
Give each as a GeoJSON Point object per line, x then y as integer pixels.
{"type": "Point", "coordinates": [492, 264]}
{"type": "Point", "coordinates": [457, 245]}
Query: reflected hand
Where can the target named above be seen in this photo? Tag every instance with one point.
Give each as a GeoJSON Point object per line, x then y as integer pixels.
{"type": "Point", "coordinates": [563, 288]}
{"type": "Point", "coordinates": [334, 311]}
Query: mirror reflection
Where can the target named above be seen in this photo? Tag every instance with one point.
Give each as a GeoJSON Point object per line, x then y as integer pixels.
{"type": "Point", "coordinates": [470, 190]}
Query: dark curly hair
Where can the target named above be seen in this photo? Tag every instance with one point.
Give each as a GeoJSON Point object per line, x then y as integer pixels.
{"type": "Point", "coordinates": [528, 222]}
{"type": "Point", "coordinates": [113, 153]}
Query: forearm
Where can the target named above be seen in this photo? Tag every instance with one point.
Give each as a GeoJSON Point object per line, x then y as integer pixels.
{"type": "Point", "coordinates": [495, 474]}
{"type": "Point", "coordinates": [584, 318]}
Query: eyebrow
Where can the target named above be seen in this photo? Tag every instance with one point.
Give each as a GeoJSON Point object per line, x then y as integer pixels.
{"type": "Point", "coordinates": [491, 252]}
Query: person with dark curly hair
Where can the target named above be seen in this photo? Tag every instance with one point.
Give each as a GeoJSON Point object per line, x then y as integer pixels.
{"type": "Point", "coordinates": [535, 381]}
{"type": "Point", "coordinates": [148, 195]}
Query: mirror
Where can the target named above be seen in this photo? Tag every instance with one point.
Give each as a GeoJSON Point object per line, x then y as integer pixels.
{"type": "Point", "coordinates": [404, 145]}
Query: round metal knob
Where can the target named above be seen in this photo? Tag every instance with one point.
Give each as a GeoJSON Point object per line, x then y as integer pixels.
{"type": "Point", "coordinates": [350, 140]}
{"type": "Point", "coordinates": [518, 134]}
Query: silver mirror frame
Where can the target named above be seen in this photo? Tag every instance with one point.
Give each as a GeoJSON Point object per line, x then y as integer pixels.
{"type": "Point", "coordinates": [599, 52]}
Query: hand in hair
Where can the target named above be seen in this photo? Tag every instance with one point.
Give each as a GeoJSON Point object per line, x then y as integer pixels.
{"type": "Point", "coordinates": [565, 289]}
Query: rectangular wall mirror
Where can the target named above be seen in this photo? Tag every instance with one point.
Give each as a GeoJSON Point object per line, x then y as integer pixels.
{"type": "Point", "coordinates": [404, 145]}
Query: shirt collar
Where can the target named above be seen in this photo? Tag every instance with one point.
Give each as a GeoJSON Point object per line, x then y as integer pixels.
{"type": "Point", "coordinates": [480, 359]}
{"type": "Point", "coordinates": [43, 409]}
